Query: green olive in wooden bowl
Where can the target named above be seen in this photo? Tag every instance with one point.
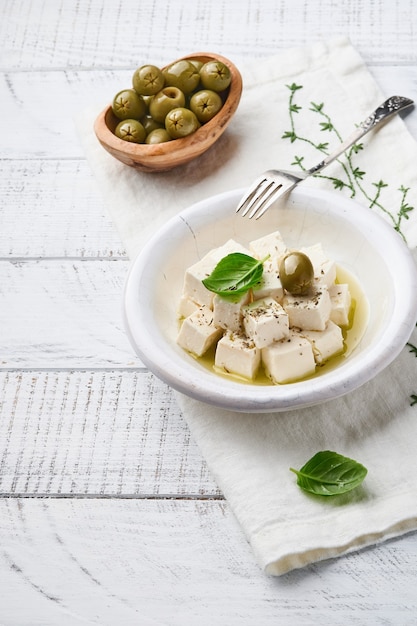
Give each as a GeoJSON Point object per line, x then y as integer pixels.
{"type": "Point", "coordinates": [166, 155]}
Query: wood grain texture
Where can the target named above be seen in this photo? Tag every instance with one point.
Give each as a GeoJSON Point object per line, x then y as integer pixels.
{"type": "Point", "coordinates": [63, 313]}
{"type": "Point", "coordinates": [53, 208]}
{"type": "Point", "coordinates": [55, 34]}
{"type": "Point", "coordinates": [107, 433]}
{"type": "Point", "coordinates": [172, 563]}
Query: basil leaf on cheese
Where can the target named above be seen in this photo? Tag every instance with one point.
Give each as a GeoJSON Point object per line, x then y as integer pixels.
{"type": "Point", "coordinates": [235, 274]}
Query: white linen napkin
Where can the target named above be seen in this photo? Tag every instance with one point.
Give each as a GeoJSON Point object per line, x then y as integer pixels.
{"type": "Point", "coordinates": [294, 108]}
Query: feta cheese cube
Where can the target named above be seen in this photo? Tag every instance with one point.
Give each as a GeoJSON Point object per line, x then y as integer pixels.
{"type": "Point", "coordinates": [288, 360]}
{"type": "Point", "coordinates": [198, 332]}
{"type": "Point", "coordinates": [193, 287]}
{"type": "Point", "coordinates": [186, 307]}
{"type": "Point", "coordinates": [269, 287]}
{"type": "Point", "coordinates": [272, 244]}
{"type": "Point", "coordinates": [309, 312]}
{"type": "Point", "coordinates": [237, 354]}
{"type": "Point", "coordinates": [341, 301]}
{"type": "Point", "coordinates": [217, 254]}
{"type": "Point", "coordinates": [324, 269]}
{"type": "Point", "coordinates": [228, 312]}
{"type": "Point", "coordinates": [265, 321]}
{"type": "Point", "coordinates": [325, 343]}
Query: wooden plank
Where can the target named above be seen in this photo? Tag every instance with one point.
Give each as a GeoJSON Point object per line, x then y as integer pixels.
{"type": "Point", "coordinates": [108, 34]}
{"type": "Point", "coordinates": [63, 313]}
{"type": "Point", "coordinates": [46, 119]}
{"type": "Point", "coordinates": [52, 208]}
{"type": "Point", "coordinates": [174, 563]}
{"type": "Point", "coordinates": [89, 432]}
{"type": "Point", "coordinates": [45, 134]}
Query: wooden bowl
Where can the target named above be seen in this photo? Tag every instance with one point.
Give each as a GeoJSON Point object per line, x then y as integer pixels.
{"type": "Point", "coordinates": [166, 156]}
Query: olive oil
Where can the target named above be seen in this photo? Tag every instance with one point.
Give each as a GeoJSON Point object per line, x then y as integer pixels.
{"type": "Point", "coordinates": [352, 334]}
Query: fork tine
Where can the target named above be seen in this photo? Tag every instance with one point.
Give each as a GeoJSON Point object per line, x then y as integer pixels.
{"type": "Point", "coordinates": [282, 188]}
{"type": "Point", "coordinates": [246, 202]}
{"type": "Point", "coordinates": [272, 198]}
{"type": "Point", "coordinates": [265, 199]}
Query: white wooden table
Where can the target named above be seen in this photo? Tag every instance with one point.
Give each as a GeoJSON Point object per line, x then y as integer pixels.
{"type": "Point", "coordinates": [108, 513]}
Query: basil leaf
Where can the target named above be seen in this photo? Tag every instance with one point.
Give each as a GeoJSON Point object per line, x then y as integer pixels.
{"type": "Point", "coordinates": [329, 474]}
{"type": "Point", "coordinates": [235, 274]}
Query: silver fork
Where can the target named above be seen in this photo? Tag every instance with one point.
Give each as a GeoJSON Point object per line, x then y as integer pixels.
{"type": "Point", "coordinates": [273, 184]}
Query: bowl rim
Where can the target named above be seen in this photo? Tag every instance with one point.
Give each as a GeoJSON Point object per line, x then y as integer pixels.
{"type": "Point", "coordinates": [181, 376]}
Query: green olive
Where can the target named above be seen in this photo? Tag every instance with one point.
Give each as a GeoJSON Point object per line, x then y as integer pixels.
{"type": "Point", "coordinates": [127, 104]}
{"type": "Point", "coordinates": [197, 64]}
{"type": "Point", "coordinates": [181, 122]}
{"type": "Point", "coordinates": [130, 130]}
{"type": "Point", "coordinates": [182, 74]}
{"type": "Point", "coordinates": [147, 80]}
{"type": "Point", "coordinates": [158, 135]}
{"type": "Point", "coordinates": [215, 75]}
{"type": "Point", "coordinates": [164, 101]}
{"type": "Point", "coordinates": [190, 87]}
{"type": "Point", "coordinates": [150, 124]}
{"type": "Point", "coordinates": [205, 104]}
{"type": "Point", "coordinates": [296, 273]}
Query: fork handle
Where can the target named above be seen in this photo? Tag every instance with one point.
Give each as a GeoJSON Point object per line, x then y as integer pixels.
{"type": "Point", "coordinates": [387, 109]}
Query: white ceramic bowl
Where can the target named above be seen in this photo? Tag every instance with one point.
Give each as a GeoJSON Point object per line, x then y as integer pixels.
{"type": "Point", "coordinates": [355, 237]}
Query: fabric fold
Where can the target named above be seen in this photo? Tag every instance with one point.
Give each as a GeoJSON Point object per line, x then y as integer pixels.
{"type": "Point", "coordinates": [250, 457]}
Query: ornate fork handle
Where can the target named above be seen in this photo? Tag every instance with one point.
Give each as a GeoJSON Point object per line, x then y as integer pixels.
{"type": "Point", "coordinates": [388, 108]}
